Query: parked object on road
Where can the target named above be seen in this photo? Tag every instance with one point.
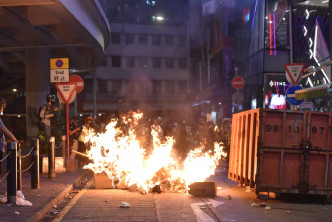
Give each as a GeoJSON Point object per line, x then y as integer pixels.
{"type": "Point", "coordinates": [124, 205]}
{"type": "Point", "coordinates": [203, 189]}
{"type": "Point", "coordinates": [282, 151]}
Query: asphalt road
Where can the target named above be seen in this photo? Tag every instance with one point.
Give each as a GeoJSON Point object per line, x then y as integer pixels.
{"type": "Point", "coordinates": [232, 203]}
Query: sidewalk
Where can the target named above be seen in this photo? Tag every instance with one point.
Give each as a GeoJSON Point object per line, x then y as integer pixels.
{"type": "Point", "coordinates": [50, 193]}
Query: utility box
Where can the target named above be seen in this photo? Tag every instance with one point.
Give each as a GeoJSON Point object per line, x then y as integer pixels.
{"type": "Point", "coordinates": [59, 165]}
{"type": "Point", "coordinates": [282, 151]}
{"type": "Point", "coordinates": [72, 165]}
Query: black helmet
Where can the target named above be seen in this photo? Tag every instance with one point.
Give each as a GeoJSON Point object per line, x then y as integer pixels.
{"type": "Point", "coordinates": [50, 97]}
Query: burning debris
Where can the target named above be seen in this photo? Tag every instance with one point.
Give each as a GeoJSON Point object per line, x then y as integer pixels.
{"type": "Point", "coordinates": [150, 166]}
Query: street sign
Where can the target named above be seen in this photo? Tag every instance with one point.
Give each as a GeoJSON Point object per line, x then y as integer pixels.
{"type": "Point", "coordinates": [59, 70]}
{"type": "Point", "coordinates": [59, 75]}
{"type": "Point", "coordinates": [79, 82]}
{"type": "Point", "coordinates": [290, 95]}
{"type": "Point", "coordinates": [237, 97]}
{"type": "Point", "coordinates": [59, 63]}
{"type": "Point", "coordinates": [66, 90]}
{"type": "Point", "coordinates": [294, 72]}
{"type": "Point", "coordinates": [238, 82]}
{"type": "Point", "coordinates": [72, 98]}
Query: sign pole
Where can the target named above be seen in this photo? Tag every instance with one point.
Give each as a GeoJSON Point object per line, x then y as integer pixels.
{"type": "Point", "coordinates": [67, 128]}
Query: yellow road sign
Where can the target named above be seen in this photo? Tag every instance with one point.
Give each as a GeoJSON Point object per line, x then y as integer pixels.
{"type": "Point", "coordinates": [59, 63]}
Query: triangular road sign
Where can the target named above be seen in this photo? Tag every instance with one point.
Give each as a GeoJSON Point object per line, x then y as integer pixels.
{"type": "Point", "coordinates": [294, 72]}
{"type": "Point", "coordinates": [66, 90]}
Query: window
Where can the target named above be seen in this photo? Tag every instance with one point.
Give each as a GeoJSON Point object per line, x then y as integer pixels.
{"type": "Point", "coordinates": [102, 86]}
{"type": "Point", "coordinates": [156, 87]}
{"type": "Point", "coordinates": [143, 88]}
{"type": "Point", "coordinates": [116, 38]}
{"type": "Point", "coordinates": [129, 38]}
{"type": "Point", "coordinates": [130, 62]}
{"type": "Point", "coordinates": [116, 86]}
{"type": "Point", "coordinates": [183, 84]}
{"type": "Point", "coordinates": [182, 63]}
{"type": "Point", "coordinates": [156, 40]}
{"type": "Point", "coordinates": [169, 40]}
{"type": "Point", "coordinates": [131, 87]}
{"type": "Point", "coordinates": [156, 63]}
{"type": "Point", "coordinates": [116, 61]}
{"type": "Point", "coordinates": [169, 63]}
{"type": "Point", "coordinates": [182, 41]}
{"type": "Point", "coordinates": [170, 87]}
{"type": "Point", "coordinates": [143, 62]}
{"type": "Point", "coordinates": [104, 62]}
{"type": "Point", "coordinates": [143, 39]}
{"type": "Point", "coordinates": [88, 85]}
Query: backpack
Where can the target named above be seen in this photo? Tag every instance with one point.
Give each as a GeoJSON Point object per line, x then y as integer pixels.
{"type": "Point", "coordinates": [39, 122]}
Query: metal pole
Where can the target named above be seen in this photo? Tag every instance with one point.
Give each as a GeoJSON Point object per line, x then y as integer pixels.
{"type": "Point", "coordinates": [35, 167]}
{"type": "Point", "coordinates": [63, 149]}
{"type": "Point", "coordinates": [290, 25]}
{"type": "Point", "coordinates": [67, 127]}
{"type": "Point", "coordinates": [12, 176]}
{"type": "Point", "coordinates": [94, 95]}
{"type": "Point", "coordinates": [51, 158]}
{"type": "Point", "coordinates": [19, 169]}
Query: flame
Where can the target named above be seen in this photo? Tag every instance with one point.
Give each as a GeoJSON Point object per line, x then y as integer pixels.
{"type": "Point", "coordinates": [119, 154]}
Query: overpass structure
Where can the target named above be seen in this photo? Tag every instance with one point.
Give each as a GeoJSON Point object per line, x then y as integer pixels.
{"type": "Point", "coordinates": [33, 31]}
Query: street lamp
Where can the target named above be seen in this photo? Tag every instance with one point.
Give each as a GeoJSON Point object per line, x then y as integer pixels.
{"type": "Point", "coordinates": [160, 18]}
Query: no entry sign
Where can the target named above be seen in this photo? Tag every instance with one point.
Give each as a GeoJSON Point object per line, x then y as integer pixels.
{"type": "Point", "coordinates": [237, 82]}
{"type": "Point", "coordinates": [79, 82]}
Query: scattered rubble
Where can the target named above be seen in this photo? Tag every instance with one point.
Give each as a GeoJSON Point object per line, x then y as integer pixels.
{"type": "Point", "coordinates": [124, 205]}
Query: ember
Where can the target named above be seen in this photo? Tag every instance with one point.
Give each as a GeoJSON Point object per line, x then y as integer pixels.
{"type": "Point", "coordinates": [120, 154]}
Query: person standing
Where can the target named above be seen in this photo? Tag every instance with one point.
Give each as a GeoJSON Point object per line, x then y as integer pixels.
{"type": "Point", "coordinates": [47, 112]}
{"type": "Point", "coordinates": [4, 131]}
{"type": "Point", "coordinates": [74, 133]}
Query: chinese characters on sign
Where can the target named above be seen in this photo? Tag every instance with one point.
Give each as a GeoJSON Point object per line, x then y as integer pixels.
{"type": "Point", "coordinates": [59, 70]}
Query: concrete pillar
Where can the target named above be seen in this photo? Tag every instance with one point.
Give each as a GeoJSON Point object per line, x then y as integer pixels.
{"type": "Point", "coordinates": [330, 27]}
{"type": "Point", "coordinates": [37, 85]}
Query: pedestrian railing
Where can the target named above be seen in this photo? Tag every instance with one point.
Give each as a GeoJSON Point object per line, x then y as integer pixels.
{"type": "Point", "coordinates": [14, 163]}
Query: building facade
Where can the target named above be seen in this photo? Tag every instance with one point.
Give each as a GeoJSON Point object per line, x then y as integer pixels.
{"type": "Point", "coordinates": [282, 32]}
{"type": "Point", "coordinates": [146, 67]}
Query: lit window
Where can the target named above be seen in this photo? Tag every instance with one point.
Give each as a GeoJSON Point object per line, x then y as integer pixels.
{"type": "Point", "coordinates": [153, 2]}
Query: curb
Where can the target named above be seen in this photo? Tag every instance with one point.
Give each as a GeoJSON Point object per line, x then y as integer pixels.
{"type": "Point", "coordinates": [41, 213]}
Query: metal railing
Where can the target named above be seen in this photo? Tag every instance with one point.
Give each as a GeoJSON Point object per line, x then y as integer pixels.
{"type": "Point", "coordinates": [14, 163]}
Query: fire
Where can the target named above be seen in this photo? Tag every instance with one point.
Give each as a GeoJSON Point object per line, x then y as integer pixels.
{"type": "Point", "coordinates": [119, 154]}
